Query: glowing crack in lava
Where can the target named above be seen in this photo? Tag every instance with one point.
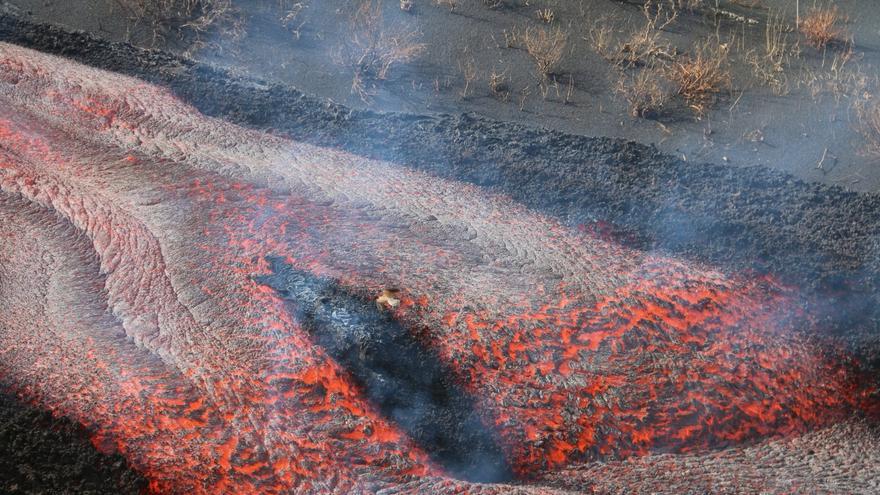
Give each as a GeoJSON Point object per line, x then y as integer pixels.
{"type": "Point", "coordinates": [149, 265]}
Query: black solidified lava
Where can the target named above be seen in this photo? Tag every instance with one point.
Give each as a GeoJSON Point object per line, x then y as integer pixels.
{"type": "Point", "coordinates": [407, 381]}
{"type": "Point", "coordinates": [42, 454]}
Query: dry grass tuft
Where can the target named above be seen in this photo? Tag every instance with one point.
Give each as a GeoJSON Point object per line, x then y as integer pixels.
{"type": "Point", "coordinates": [545, 46]}
{"type": "Point", "coordinates": [821, 27]}
{"type": "Point", "coordinates": [700, 76]}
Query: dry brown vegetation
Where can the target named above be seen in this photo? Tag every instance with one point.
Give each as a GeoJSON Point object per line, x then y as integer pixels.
{"type": "Point", "coordinates": [468, 71]}
{"type": "Point", "coordinates": [751, 4]}
{"type": "Point", "coordinates": [840, 77]}
{"type": "Point", "coordinates": [601, 36]}
{"type": "Point", "coordinates": [641, 47]}
{"type": "Point", "coordinates": [651, 73]}
{"type": "Point", "coordinates": [192, 16]}
{"type": "Point", "coordinates": [498, 85]}
{"type": "Point", "coordinates": [290, 18]}
{"type": "Point", "coordinates": [662, 13]}
{"type": "Point", "coordinates": [691, 5]}
{"type": "Point", "coordinates": [546, 15]}
{"type": "Point", "coordinates": [701, 75]}
{"type": "Point", "coordinates": [821, 26]}
{"type": "Point", "coordinates": [546, 47]}
{"type": "Point", "coordinates": [770, 63]}
{"type": "Point", "coordinates": [868, 125]}
{"type": "Point", "coordinates": [698, 77]}
{"type": "Point", "coordinates": [646, 92]}
{"type": "Point", "coordinates": [376, 47]}
{"type": "Point", "coordinates": [450, 4]}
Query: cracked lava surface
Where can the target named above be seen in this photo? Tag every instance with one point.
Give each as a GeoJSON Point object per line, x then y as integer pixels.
{"type": "Point", "coordinates": [136, 237]}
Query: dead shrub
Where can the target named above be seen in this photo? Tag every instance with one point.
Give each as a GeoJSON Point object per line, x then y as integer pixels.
{"type": "Point", "coordinates": [376, 47]}
{"type": "Point", "coordinates": [545, 46]}
{"type": "Point", "coordinates": [359, 87]}
{"type": "Point", "coordinates": [692, 5]}
{"type": "Point", "coordinates": [601, 35]}
{"type": "Point", "coordinates": [468, 71]}
{"type": "Point", "coordinates": [841, 78]}
{"type": "Point", "coordinates": [498, 85]}
{"type": "Point", "coordinates": [868, 125]}
{"type": "Point", "coordinates": [749, 4]}
{"type": "Point", "coordinates": [546, 15]}
{"type": "Point", "coordinates": [193, 17]}
{"type": "Point", "coordinates": [700, 76]}
{"type": "Point", "coordinates": [642, 47]}
{"type": "Point", "coordinates": [821, 27]}
{"type": "Point", "coordinates": [450, 4]}
{"type": "Point", "coordinates": [291, 21]}
{"type": "Point", "coordinates": [771, 62]}
{"type": "Point", "coordinates": [646, 92]}
{"type": "Point", "coordinates": [511, 38]}
{"type": "Point", "coordinates": [662, 13]}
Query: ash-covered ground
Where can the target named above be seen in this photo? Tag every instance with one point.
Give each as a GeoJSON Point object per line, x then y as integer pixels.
{"type": "Point", "coordinates": [821, 238]}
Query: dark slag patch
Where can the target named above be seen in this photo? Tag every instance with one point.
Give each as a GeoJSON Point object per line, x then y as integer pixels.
{"type": "Point", "coordinates": [407, 381]}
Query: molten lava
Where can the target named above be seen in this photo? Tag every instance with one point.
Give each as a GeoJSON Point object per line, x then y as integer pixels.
{"type": "Point", "coordinates": [139, 241]}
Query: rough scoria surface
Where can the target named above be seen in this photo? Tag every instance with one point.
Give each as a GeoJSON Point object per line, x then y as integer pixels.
{"type": "Point", "coordinates": [139, 241]}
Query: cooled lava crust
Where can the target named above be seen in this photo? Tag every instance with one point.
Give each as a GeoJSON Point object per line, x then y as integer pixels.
{"type": "Point", "coordinates": [199, 296]}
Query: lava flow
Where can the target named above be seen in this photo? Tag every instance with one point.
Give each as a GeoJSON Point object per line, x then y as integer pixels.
{"type": "Point", "coordinates": [199, 296]}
